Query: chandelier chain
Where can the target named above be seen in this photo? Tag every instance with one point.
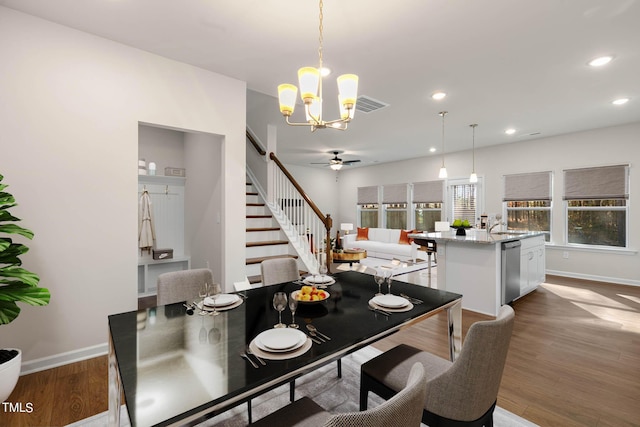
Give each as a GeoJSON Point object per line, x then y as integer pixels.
{"type": "Point", "coordinates": [320, 38]}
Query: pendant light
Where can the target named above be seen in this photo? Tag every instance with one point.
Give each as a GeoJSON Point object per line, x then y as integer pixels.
{"type": "Point", "coordinates": [443, 169]}
{"type": "Point", "coordinates": [473, 178]}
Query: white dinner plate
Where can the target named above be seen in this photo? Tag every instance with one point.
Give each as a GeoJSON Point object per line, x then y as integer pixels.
{"type": "Point", "coordinates": [320, 279]}
{"type": "Point", "coordinates": [221, 300]}
{"type": "Point", "coordinates": [280, 339]}
{"type": "Point", "coordinates": [391, 301]}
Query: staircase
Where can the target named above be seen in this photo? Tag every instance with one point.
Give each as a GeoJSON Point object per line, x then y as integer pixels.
{"type": "Point", "coordinates": [264, 237]}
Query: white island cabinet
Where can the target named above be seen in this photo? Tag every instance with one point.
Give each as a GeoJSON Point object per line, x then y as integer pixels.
{"type": "Point", "coordinates": [471, 265]}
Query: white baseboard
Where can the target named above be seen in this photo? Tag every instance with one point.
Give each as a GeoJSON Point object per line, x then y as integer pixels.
{"type": "Point", "coordinates": [56, 360]}
{"type": "Point", "coordinates": [574, 275]}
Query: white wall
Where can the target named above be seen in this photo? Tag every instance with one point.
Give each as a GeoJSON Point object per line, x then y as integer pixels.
{"type": "Point", "coordinates": [607, 146]}
{"type": "Point", "coordinates": [164, 147]}
{"type": "Point", "coordinates": [203, 198]}
{"type": "Point", "coordinates": [69, 113]}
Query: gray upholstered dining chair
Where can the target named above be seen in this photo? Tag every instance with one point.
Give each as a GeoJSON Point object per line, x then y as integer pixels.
{"type": "Point", "coordinates": [402, 410]}
{"type": "Point", "coordinates": [183, 285]}
{"type": "Point", "coordinates": [459, 393]}
{"type": "Point", "coordinates": [279, 270]}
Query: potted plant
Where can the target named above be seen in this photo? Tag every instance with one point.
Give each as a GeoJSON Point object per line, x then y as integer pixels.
{"type": "Point", "coordinates": [16, 284]}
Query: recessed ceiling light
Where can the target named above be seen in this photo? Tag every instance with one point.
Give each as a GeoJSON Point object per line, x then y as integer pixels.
{"type": "Point", "coordinates": [438, 96]}
{"type": "Point", "coordinates": [432, 150]}
{"type": "Point", "coordinates": [599, 62]}
{"type": "Point", "coordinates": [620, 101]}
{"type": "Point", "coordinates": [324, 71]}
{"type": "Point", "coordinates": [510, 131]}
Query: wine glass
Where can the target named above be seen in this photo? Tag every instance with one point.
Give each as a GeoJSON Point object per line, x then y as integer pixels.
{"type": "Point", "coordinates": [323, 270]}
{"type": "Point", "coordinates": [214, 290]}
{"type": "Point", "coordinates": [389, 280]}
{"type": "Point", "coordinates": [279, 303]}
{"type": "Point", "coordinates": [379, 278]}
{"type": "Point", "coordinates": [203, 292]}
{"type": "Point", "coordinates": [293, 305]}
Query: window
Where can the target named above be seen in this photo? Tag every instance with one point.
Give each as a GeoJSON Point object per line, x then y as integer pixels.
{"type": "Point", "coordinates": [368, 206]}
{"type": "Point", "coordinates": [528, 202]}
{"type": "Point", "coordinates": [427, 204]}
{"type": "Point", "coordinates": [463, 202]}
{"type": "Point", "coordinates": [596, 205]}
{"type": "Point", "coordinates": [394, 203]}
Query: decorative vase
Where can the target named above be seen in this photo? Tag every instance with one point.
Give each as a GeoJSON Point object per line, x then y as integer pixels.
{"type": "Point", "coordinates": [9, 373]}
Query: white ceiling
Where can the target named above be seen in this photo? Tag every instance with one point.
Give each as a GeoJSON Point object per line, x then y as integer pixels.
{"type": "Point", "coordinates": [504, 63]}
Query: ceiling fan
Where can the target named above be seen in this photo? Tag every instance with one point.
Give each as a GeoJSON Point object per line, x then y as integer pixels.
{"type": "Point", "coordinates": [336, 163]}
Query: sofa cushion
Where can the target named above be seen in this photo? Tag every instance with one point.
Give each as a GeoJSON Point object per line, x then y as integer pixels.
{"type": "Point", "coordinates": [363, 234]}
{"type": "Point", "coordinates": [404, 237]}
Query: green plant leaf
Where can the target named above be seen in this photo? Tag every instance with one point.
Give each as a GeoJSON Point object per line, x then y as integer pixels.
{"type": "Point", "coordinates": [7, 199]}
{"type": "Point", "coordinates": [6, 216]}
{"type": "Point", "coordinates": [10, 254]}
{"type": "Point", "coordinates": [23, 293]}
{"type": "Point", "coordinates": [5, 242]}
{"type": "Point", "coordinates": [9, 310]}
{"type": "Point", "coordinates": [15, 229]}
{"type": "Point", "coordinates": [25, 276]}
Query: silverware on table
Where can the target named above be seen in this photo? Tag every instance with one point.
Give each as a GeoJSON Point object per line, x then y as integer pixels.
{"type": "Point", "coordinates": [258, 358]}
{"type": "Point", "coordinates": [246, 356]}
{"type": "Point", "coordinates": [314, 339]}
{"type": "Point", "coordinates": [314, 335]}
{"type": "Point", "coordinates": [377, 310]}
{"type": "Point", "coordinates": [312, 328]}
{"type": "Point", "coordinates": [412, 299]}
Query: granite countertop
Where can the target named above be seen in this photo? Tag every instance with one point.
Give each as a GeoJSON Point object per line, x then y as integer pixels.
{"type": "Point", "coordinates": [476, 236]}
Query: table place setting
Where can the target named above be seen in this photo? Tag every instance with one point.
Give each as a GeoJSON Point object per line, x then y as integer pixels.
{"type": "Point", "coordinates": [390, 303]}
{"type": "Point", "coordinates": [221, 302]}
{"type": "Point", "coordinates": [280, 344]}
{"type": "Point", "coordinates": [319, 279]}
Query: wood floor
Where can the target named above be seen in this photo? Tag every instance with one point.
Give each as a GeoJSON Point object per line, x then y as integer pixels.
{"type": "Point", "coordinates": [574, 360]}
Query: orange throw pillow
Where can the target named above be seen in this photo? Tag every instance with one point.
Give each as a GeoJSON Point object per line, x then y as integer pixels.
{"type": "Point", "coordinates": [404, 237]}
{"type": "Point", "coordinates": [363, 234]}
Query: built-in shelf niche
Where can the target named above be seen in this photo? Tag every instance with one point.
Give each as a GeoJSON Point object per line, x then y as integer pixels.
{"type": "Point", "coordinates": [167, 200]}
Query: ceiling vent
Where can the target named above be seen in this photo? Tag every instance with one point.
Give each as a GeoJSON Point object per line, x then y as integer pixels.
{"type": "Point", "coordinates": [368, 105]}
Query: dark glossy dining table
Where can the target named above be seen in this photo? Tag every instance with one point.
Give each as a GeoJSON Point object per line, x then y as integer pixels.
{"type": "Point", "coordinates": [174, 368]}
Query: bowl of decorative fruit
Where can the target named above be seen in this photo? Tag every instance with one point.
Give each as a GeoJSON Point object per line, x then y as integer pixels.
{"type": "Point", "coordinates": [460, 225]}
{"type": "Point", "coordinates": [310, 295]}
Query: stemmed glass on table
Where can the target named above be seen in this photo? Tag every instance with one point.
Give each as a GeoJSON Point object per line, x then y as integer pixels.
{"type": "Point", "coordinates": [293, 305]}
{"type": "Point", "coordinates": [203, 293]}
{"type": "Point", "coordinates": [379, 279]}
{"type": "Point", "coordinates": [323, 270]}
{"type": "Point", "coordinates": [214, 291]}
{"type": "Point", "coordinates": [389, 277]}
{"type": "Point", "coordinates": [279, 303]}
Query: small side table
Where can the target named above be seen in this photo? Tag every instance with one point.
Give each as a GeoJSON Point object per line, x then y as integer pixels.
{"type": "Point", "coordinates": [350, 257]}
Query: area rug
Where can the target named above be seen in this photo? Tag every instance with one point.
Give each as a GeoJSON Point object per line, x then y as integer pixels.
{"type": "Point", "coordinates": [323, 386]}
{"type": "Point", "coordinates": [399, 267]}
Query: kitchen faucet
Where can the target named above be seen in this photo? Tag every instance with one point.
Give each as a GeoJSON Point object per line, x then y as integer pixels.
{"type": "Point", "coordinates": [498, 222]}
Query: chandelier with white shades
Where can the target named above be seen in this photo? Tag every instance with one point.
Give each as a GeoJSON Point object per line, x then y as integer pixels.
{"type": "Point", "coordinates": [310, 82]}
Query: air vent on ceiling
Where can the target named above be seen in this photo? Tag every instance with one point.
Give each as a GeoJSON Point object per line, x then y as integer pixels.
{"type": "Point", "coordinates": [368, 105]}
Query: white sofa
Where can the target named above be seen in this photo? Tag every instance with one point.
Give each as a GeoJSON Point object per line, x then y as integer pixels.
{"type": "Point", "coordinates": [383, 243]}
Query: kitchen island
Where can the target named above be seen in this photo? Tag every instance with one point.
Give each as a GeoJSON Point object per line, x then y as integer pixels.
{"type": "Point", "coordinates": [483, 266]}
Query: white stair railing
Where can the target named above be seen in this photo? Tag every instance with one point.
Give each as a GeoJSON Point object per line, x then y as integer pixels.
{"type": "Point", "coordinates": [303, 223]}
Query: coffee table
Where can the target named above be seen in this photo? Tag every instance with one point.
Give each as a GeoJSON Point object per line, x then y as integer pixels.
{"type": "Point", "coordinates": [350, 257]}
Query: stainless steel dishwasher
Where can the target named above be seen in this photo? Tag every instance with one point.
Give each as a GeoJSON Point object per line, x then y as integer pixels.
{"type": "Point", "coordinates": [510, 271]}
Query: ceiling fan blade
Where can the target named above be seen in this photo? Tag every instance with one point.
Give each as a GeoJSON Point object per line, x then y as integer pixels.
{"type": "Point", "coordinates": [323, 163]}
{"type": "Point", "coordinates": [348, 162]}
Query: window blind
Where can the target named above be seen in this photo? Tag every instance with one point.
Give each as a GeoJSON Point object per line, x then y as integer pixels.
{"type": "Point", "coordinates": [367, 195]}
{"type": "Point", "coordinates": [428, 192]}
{"type": "Point", "coordinates": [395, 193]}
{"type": "Point", "coordinates": [463, 200]}
{"type": "Point", "coordinates": [606, 182]}
{"type": "Point", "coordinates": [527, 186]}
